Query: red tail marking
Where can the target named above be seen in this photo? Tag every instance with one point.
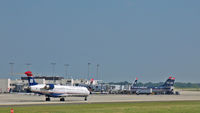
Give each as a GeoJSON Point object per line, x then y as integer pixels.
{"type": "Point", "coordinates": [92, 79]}
{"type": "Point", "coordinates": [173, 78]}
{"type": "Point", "coordinates": [28, 73]}
{"type": "Point", "coordinates": [136, 78]}
{"type": "Point", "coordinates": [170, 77]}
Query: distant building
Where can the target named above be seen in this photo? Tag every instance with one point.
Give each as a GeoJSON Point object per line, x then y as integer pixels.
{"type": "Point", "coordinates": [44, 77]}
{"type": "Point", "coordinates": [4, 85]}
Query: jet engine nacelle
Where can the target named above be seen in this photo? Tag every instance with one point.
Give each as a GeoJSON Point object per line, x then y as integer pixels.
{"type": "Point", "coordinates": [49, 86]}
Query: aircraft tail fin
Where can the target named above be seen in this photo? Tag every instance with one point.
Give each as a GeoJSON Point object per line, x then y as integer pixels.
{"type": "Point", "coordinates": [135, 82]}
{"type": "Point", "coordinates": [169, 82]}
{"type": "Point", "coordinates": [31, 80]}
{"type": "Point", "coordinates": [91, 81]}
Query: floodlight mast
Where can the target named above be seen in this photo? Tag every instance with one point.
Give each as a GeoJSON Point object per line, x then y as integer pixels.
{"type": "Point", "coordinates": [12, 69]}
{"type": "Point", "coordinates": [28, 65]}
{"type": "Point", "coordinates": [53, 70]}
{"type": "Point", "coordinates": [66, 70]}
{"type": "Point", "coordinates": [88, 77]}
{"type": "Point", "coordinates": [97, 74]}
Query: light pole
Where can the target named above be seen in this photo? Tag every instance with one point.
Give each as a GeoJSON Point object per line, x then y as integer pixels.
{"type": "Point", "coordinates": [28, 65]}
{"type": "Point", "coordinates": [53, 70]}
{"type": "Point", "coordinates": [11, 68]}
{"type": "Point", "coordinates": [97, 74]}
{"type": "Point", "coordinates": [53, 67]}
{"type": "Point", "coordinates": [88, 71]}
{"type": "Point", "coordinates": [66, 70]}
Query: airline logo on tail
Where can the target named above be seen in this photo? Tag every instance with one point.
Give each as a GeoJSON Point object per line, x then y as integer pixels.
{"type": "Point", "coordinates": [169, 82]}
{"type": "Point", "coordinates": [135, 82]}
{"type": "Point", "coordinates": [31, 80]}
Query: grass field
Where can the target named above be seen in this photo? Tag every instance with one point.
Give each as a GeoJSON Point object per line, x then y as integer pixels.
{"type": "Point", "coordinates": [142, 107]}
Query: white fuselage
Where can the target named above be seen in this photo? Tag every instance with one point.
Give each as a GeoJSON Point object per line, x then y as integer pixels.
{"type": "Point", "coordinates": [60, 91]}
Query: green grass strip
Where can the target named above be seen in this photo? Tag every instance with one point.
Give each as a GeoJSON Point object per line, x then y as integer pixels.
{"type": "Point", "coordinates": [139, 107]}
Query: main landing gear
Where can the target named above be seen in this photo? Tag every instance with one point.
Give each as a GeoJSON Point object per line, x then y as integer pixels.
{"type": "Point", "coordinates": [62, 99]}
{"type": "Point", "coordinates": [85, 99]}
{"type": "Point", "coordinates": [48, 99]}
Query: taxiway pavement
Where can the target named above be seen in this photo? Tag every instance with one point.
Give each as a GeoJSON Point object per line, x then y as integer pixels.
{"type": "Point", "coordinates": [28, 99]}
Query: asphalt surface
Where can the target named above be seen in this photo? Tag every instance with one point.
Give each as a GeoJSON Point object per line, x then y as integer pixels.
{"type": "Point", "coordinates": [30, 99]}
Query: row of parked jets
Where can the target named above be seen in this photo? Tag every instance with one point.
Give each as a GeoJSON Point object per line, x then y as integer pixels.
{"type": "Point", "coordinates": [61, 91]}
{"type": "Point", "coordinates": [166, 88]}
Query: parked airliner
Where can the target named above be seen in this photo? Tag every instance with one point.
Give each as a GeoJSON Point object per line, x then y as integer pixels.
{"type": "Point", "coordinates": [56, 91]}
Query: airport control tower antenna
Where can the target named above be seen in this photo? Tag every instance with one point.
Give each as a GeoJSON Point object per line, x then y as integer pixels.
{"type": "Point", "coordinates": [66, 70]}
{"type": "Point", "coordinates": [97, 74]}
{"type": "Point", "coordinates": [28, 65]}
{"type": "Point", "coordinates": [11, 68]}
{"type": "Point", "coordinates": [88, 77]}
